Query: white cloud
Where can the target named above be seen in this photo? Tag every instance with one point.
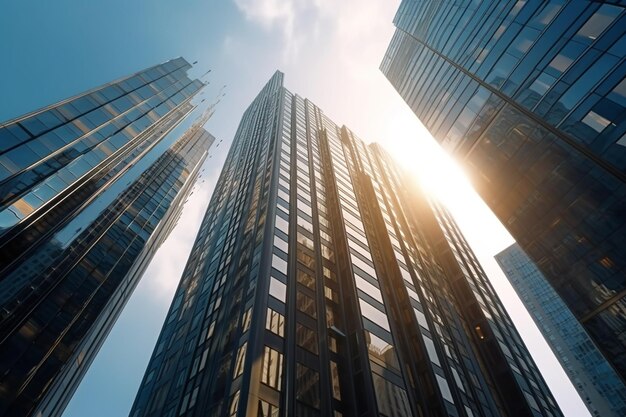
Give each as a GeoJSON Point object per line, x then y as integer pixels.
{"type": "Point", "coordinates": [274, 13]}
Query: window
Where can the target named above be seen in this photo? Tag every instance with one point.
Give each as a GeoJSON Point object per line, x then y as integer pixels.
{"type": "Point", "coordinates": [307, 385]}
{"type": "Point", "coordinates": [564, 59]}
{"type": "Point", "coordinates": [281, 244]}
{"type": "Point", "coordinates": [597, 23]}
{"type": "Point", "coordinates": [282, 224]}
{"type": "Point", "coordinates": [306, 279]}
{"type": "Point", "coordinates": [380, 351]}
{"type": "Point", "coordinates": [275, 322]}
{"type": "Point", "coordinates": [421, 318]}
{"type": "Point", "coordinates": [542, 84]}
{"type": "Point", "coordinates": [305, 241]}
{"type": "Point", "coordinates": [246, 320]}
{"type": "Point", "coordinates": [391, 399]}
{"type": "Point", "coordinates": [595, 121]}
{"type": "Point", "coordinates": [374, 315]}
{"type": "Point", "coordinates": [272, 371]}
{"type": "Point", "coordinates": [234, 405]}
{"type": "Point", "coordinates": [305, 259]}
{"type": "Point", "coordinates": [334, 375]}
{"type": "Point", "coordinates": [444, 388]}
{"type": "Point", "coordinates": [545, 16]}
{"type": "Point", "coordinates": [368, 288]}
{"type": "Point", "coordinates": [306, 338]}
{"type": "Point", "coordinates": [279, 263]}
{"type": "Point", "coordinates": [278, 290]}
{"type": "Point", "coordinates": [306, 304]}
{"type": "Point", "coordinates": [618, 94]}
{"type": "Point", "coordinates": [432, 353]}
{"type": "Point", "coordinates": [267, 410]}
{"type": "Point", "coordinates": [239, 362]}
{"type": "Point", "coordinates": [523, 41]}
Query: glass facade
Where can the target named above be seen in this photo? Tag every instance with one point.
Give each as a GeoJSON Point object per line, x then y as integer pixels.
{"type": "Point", "coordinates": [531, 97]}
{"type": "Point", "coordinates": [598, 384]}
{"type": "Point", "coordinates": [89, 189]}
{"type": "Point", "coordinates": [318, 285]}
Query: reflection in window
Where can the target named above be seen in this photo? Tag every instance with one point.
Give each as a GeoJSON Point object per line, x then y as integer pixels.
{"type": "Point", "coordinates": [278, 290]}
{"type": "Point", "coordinates": [307, 385]}
{"type": "Point", "coordinates": [374, 315]}
{"type": "Point", "coordinates": [275, 322]}
{"type": "Point", "coordinates": [272, 371]}
{"type": "Point", "coordinates": [305, 259]}
{"type": "Point", "coordinates": [334, 374]}
{"type": "Point", "coordinates": [306, 304]}
{"type": "Point", "coordinates": [239, 362]}
{"type": "Point", "coordinates": [587, 81]}
{"type": "Point", "coordinates": [365, 267]}
{"type": "Point", "coordinates": [331, 294]}
{"type": "Point", "coordinates": [444, 388]}
{"type": "Point", "coordinates": [432, 353]}
{"type": "Point", "coordinates": [279, 263]}
{"type": "Point", "coordinates": [281, 244]}
{"type": "Point", "coordinates": [595, 121]}
{"type": "Point", "coordinates": [545, 16]}
{"type": "Point", "coordinates": [305, 224]}
{"type": "Point", "coordinates": [523, 41]}
{"type": "Point", "coordinates": [368, 288]}
{"type": "Point", "coordinates": [234, 405]}
{"type": "Point", "coordinates": [392, 400]}
{"type": "Point", "coordinates": [421, 318]}
{"type": "Point", "coordinates": [328, 253]}
{"type": "Point", "coordinates": [457, 379]}
{"type": "Point", "coordinates": [381, 351]}
{"type": "Point", "coordinates": [282, 224]}
{"type": "Point", "coordinates": [542, 84]}
{"type": "Point", "coordinates": [305, 241]}
{"type": "Point", "coordinates": [564, 59]}
{"type": "Point", "coordinates": [306, 338]}
{"type": "Point", "coordinates": [246, 320]}
{"type": "Point", "coordinates": [596, 24]}
{"type": "Point", "coordinates": [306, 279]}
{"type": "Point", "coordinates": [332, 344]}
{"type": "Point", "coordinates": [267, 410]}
{"type": "Point", "coordinates": [618, 94]}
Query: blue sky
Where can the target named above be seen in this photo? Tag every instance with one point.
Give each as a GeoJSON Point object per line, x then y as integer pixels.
{"type": "Point", "coordinates": [329, 50]}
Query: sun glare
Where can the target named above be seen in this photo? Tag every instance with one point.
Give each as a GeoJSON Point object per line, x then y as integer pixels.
{"type": "Point", "coordinates": [411, 145]}
{"type": "Point", "coordinates": [414, 148]}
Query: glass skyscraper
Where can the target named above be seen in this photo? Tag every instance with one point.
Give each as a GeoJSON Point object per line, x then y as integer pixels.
{"type": "Point", "coordinates": [323, 282]}
{"type": "Point", "coordinates": [89, 188]}
{"type": "Point", "coordinates": [531, 97]}
{"type": "Point", "coordinates": [598, 384]}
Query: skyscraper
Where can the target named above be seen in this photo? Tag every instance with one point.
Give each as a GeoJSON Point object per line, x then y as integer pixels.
{"type": "Point", "coordinates": [89, 188]}
{"type": "Point", "coordinates": [598, 384]}
{"type": "Point", "coordinates": [322, 282]}
{"type": "Point", "coordinates": [531, 97]}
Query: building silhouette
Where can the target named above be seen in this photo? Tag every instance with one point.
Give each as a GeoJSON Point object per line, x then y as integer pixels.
{"type": "Point", "coordinates": [89, 189]}
{"type": "Point", "coordinates": [324, 282]}
{"type": "Point", "coordinates": [596, 381]}
{"type": "Point", "coordinates": [531, 98]}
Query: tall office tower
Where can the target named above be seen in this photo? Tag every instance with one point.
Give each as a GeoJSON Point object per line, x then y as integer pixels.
{"type": "Point", "coordinates": [321, 284]}
{"type": "Point", "coordinates": [595, 380]}
{"type": "Point", "coordinates": [89, 188]}
{"type": "Point", "coordinates": [531, 97]}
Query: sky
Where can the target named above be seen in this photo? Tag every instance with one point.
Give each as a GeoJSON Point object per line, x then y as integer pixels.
{"type": "Point", "coordinates": [329, 51]}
